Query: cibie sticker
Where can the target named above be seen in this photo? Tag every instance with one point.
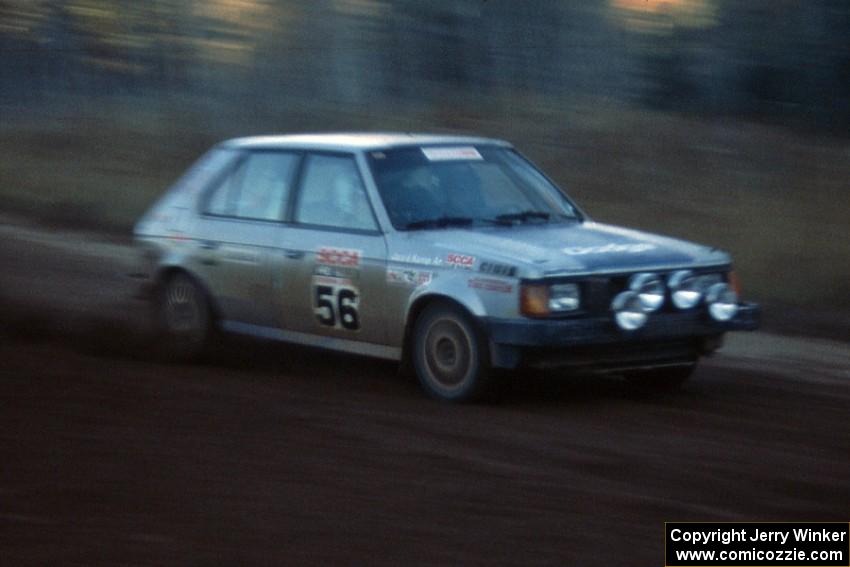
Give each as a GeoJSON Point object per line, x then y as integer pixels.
{"type": "Point", "coordinates": [460, 260]}
{"type": "Point", "coordinates": [449, 154]}
{"type": "Point", "coordinates": [497, 269]}
{"type": "Point", "coordinates": [338, 257]}
{"type": "Point", "coordinates": [608, 249]}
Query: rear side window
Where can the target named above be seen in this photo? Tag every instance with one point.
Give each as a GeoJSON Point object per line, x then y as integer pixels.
{"type": "Point", "coordinates": [258, 188]}
{"type": "Point", "coordinates": [332, 195]}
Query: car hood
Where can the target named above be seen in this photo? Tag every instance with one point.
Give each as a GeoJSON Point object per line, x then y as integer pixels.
{"type": "Point", "coordinates": [547, 249]}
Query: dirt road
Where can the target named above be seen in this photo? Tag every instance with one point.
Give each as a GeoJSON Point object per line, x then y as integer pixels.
{"type": "Point", "coordinates": [275, 455]}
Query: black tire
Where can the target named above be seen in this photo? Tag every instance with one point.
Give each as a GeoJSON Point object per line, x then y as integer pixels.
{"type": "Point", "coordinates": [184, 318]}
{"type": "Point", "coordinates": [449, 355]}
{"type": "Point", "coordinates": [666, 379]}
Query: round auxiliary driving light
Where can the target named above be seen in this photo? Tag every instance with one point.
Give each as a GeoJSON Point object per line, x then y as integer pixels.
{"type": "Point", "coordinates": [722, 302]}
{"type": "Point", "coordinates": [650, 290]}
{"type": "Point", "coordinates": [629, 313]}
{"type": "Point", "coordinates": [685, 289]}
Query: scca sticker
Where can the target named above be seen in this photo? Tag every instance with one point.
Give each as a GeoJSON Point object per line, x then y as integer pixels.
{"type": "Point", "coordinates": [338, 257]}
{"type": "Point", "coordinates": [460, 260]}
{"type": "Point", "coordinates": [608, 249]}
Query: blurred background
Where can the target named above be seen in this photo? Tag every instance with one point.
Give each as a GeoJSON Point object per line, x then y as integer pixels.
{"type": "Point", "coordinates": [726, 122]}
{"type": "Point", "coordinates": [721, 121]}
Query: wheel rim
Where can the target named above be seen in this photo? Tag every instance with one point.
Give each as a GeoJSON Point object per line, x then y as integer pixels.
{"type": "Point", "coordinates": [447, 354]}
{"type": "Point", "coordinates": [182, 309]}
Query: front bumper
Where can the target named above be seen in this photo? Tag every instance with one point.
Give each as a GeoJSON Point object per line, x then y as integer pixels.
{"type": "Point", "coordinates": [597, 341]}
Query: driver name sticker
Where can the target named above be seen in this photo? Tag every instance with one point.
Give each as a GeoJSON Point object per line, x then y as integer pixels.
{"type": "Point", "coordinates": [416, 259]}
{"type": "Point", "coordinates": [450, 154]}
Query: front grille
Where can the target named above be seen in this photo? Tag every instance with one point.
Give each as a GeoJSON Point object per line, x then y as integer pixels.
{"type": "Point", "coordinates": [597, 294]}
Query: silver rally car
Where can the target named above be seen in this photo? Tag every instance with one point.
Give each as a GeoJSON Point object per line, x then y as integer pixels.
{"type": "Point", "coordinates": [453, 255]}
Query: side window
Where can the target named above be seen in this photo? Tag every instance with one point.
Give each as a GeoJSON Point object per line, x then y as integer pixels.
{"type": "Point", "coordinates": [220, 201]}
{"type": "Point", "coordinates": [257, 189]}
{"type": "Point", "coordinates": [332, 194]}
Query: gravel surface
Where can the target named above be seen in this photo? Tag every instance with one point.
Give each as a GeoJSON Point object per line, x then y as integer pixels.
{"type": "Point", "coordinates": [272, 454]}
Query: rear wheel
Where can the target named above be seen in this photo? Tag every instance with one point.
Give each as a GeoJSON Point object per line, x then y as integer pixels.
{"type": "Point", "coordinates": [661, 379]}
{"type": "Point", "coordinates": [449, 355]}
{"type": "Point", "coordinates": [184, 318]}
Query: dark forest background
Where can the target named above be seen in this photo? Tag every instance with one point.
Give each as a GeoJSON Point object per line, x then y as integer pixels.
{"type": "Point", "coordinates": [722, 121]}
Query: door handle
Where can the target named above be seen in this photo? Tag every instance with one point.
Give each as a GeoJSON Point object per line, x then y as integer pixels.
{"type": "Point", "coordinates": [294, 254]}
{"type": "Point", "coordinates": [209, 244]}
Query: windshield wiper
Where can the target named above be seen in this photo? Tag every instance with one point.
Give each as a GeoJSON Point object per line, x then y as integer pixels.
{"type": "Point", "coordinates": [523, 216]}
{"type": "Point", "coordinates": [439, 222]}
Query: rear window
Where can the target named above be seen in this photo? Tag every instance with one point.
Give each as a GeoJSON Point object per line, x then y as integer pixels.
{"type": "Point", "coordinates": [257, 188]}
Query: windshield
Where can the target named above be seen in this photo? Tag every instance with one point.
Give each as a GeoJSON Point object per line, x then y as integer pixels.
{"type": "Point", "coordinates": [442, 186]}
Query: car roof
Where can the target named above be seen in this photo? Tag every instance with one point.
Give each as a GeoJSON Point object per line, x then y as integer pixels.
{"type": "Point", "coordinates": [352, 141]}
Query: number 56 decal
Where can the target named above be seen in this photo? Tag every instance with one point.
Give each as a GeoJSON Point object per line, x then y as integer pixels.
{"type": "Point", "coordinates": [337, 306]}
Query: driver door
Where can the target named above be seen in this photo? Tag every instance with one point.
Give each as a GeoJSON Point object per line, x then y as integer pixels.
{"type": "Point", "coordinates": [336, 255]}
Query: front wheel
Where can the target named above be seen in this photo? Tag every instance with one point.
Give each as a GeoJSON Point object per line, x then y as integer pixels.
{"type": "Point", "coordinates": [184, 318]}
{"type": "Point", "coordinates": [449, 355]}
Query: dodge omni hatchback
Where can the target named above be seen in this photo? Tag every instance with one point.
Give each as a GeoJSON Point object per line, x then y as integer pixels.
{"type": "Point", "coordinates": [453, 255]}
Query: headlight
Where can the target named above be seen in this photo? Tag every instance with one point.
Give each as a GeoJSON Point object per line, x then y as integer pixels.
{"type": "Point", "coordinates": [629, 312]}
{"type": "Point", "coordinates": [541, 300]}
{"type": "Point", "coordinates": [685, 289]}
{"type": "Point", "coordinates": [705, 281]}
{"type": "Point", "coordinates": [650, 291]}
{"type": "Point", "coordinates": [722, 302]}
{"type": "Point", "coordinates": [534, 300]}
{"type": "Point", "coordinates": [563, 298]}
